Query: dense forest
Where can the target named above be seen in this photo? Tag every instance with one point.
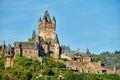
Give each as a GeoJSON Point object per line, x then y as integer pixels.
{"type": "Point", "coordinates": [111, 59]}
{"type": "Point", "coordinates": [48, 69]}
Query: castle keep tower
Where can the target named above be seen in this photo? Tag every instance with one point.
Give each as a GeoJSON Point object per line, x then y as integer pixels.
{"type": "Point", "coordinates": [47, 31]}
{"type": "Point", "coordinates": [45, 43]}
{"type": "Point", "coordinates": [47, 27]}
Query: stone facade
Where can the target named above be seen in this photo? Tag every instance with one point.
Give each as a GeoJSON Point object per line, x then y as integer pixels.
{"type": "Point", "coordinates": [9, 53]}
{"type": "Point", "coordinates": [45, 43]}
{"type": "Point", "coordinates": [27, 49]}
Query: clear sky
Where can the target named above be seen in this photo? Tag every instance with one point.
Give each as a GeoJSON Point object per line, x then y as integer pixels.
{"type": "Point", "coordinates": [80, 23]}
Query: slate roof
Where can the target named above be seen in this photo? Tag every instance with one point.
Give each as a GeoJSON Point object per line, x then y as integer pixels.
{"type": "Point", "coordinates": [27, 45]}
{"type": "Point", "coordinates": [9, 48]}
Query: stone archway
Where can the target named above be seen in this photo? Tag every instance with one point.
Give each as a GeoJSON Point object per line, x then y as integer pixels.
{"type": "Point", "coordinates": [104, 71]}
{"type": "Point", "coordinates": [51, 53]}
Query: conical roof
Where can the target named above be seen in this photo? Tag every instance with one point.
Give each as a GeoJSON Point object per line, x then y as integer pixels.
{"type": "Point", "coordinates": [47, 17]}
{"type": "Point", "coordinates": [33, 34]}
{"type": "Point", "coordinates": [9, 48]}
{"type": "Point", "coordinates": [54, 18]}
{"type": "Point", "coordinates": [87, 51]}
{"type": "Point", "coordinates": [56, 39]}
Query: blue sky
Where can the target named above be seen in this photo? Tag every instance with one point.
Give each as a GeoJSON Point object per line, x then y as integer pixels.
{"type": "Point", "coordinates": [80, 23]}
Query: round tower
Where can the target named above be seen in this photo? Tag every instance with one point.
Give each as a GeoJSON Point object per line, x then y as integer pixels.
{"type": "Point", "coordinates": [9, 55]}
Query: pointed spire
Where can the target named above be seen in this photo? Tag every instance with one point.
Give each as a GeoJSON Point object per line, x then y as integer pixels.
{"type": "Point", "coordinates": [56, 39]}
{"type": "Point", "coordinates": [9, 48]}
{"type": "Point", "coordinates": [9, 45]}
{"type": "Point", "coordinates": [87, 51]}
{"type": "Point", "coordinates": [33, 34]}
{"type": "Point", "coordinates": [39, 20]}
{"type": "Point", "coordinates": [54, 18]}
{"type": "Point", "coordinates": [47, 17]}
{"type": "Point", "coordinates": [46, 12]}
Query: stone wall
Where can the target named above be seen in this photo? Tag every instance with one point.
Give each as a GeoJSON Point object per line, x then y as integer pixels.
{"type": "Point", "coordinates": [30, 53]}
{"type": "Point", "coordinates": [88, 68]}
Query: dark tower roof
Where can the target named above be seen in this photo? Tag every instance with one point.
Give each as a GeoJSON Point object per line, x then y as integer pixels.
{"type": "Point", "coordinates": [33, 34]}
{"type": "Point", "coordinates": [56, 39]}
{"type": "Point", "coordinates": [47, 17]}
{"type": "Point", "coordinates": [54, 19]}
{"type": "Point", "coordinates": [87, 51]}
{"type": "Point", "coordinates": [9, 48]}
{"type": "Point", "coordinates": [39, 20]}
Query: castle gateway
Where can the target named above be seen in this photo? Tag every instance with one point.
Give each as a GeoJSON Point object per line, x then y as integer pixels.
{"type": "Point", "coordinates": [45, 43]}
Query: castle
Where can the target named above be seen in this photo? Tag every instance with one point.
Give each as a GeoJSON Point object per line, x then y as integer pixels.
{"type": "Point", "coordinates": [46, 43]}
{"type": "Point", "coordinates": [84, 63]}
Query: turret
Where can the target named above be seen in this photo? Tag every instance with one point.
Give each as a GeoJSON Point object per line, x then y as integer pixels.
{"type": "Point", "coordinates": [56, 39]}
{"type": "Point", "coordinates": [87, 52]}
{"type": "Point", "coordinates": [9, 51]}
{"type": "Point", "coordinates": [54, 22]}
{"type": "Point", "coordinates": [39, 20]}
{"type": "Point", "coordinates": [9, 55]}
{"type": "Point", "coordinates": [33, 35]}
{"type": "Point", "coordinates": [46, 17]}
{"type": "Point", "coordinates": [87, 57]}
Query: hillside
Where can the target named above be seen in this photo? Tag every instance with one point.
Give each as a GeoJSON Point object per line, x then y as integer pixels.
{"type": "Point", "coordinates": [49, 69]}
